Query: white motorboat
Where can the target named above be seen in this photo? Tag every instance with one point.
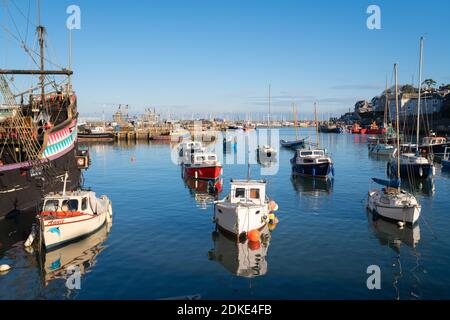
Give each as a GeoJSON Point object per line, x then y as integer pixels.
{"type": "Point", "coordinates": [381, 149]}
{"type": "Point", "coordinates": [245, 209]}
{"type": "Point", "coordinates": [72, 215]}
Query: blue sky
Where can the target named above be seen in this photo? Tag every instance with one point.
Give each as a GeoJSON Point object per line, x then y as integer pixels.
{"type": "Point", "coordinates": [219, 56]}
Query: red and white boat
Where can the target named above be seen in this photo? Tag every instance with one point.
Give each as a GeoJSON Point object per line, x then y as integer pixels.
{"type": "Point", "coordinates": [203, 165]}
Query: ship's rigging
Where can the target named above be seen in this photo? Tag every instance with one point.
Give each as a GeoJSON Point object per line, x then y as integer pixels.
{"type": "Point", "coordinates": [23, 124]}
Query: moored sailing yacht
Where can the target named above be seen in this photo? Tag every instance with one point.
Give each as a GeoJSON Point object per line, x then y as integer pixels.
{"type": "Point", "coordinates": [297, 143]}
{"type": "Point", "coordinates": [415, 165]}
{"type": "Point", "coordinates": [392, 202]}
{"type": "Point", "coordinates": [38, 135]}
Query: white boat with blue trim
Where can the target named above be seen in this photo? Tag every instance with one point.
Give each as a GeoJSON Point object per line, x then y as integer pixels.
{"type": "Point", "coordinates": [71, 215]}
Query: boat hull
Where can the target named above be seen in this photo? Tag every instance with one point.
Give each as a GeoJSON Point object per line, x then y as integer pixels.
{"type": "Point", "coordinates": [311, 170]}
{"type": "Point", "coordinates": [238, 220]}
{"type": "Point", "coordinates": [95, 137]}
{"type": "Point", "coordinates": [22, 189]}
{"type": "Point", "coordinates": [408, 171]}
{"type": "Point", "coordinates": [203, 172]}
{"type": "Point", "coordinates": [408, 214]}
{"type": "Point", "coordinates": [293, 144]}
{"type": "Point", "coordinates": [58, 232]}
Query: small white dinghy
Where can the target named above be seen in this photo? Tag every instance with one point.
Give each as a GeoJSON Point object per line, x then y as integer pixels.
{"type": "Point", "coordinates": [245, 209]}
{"type": "Point", "coordinates": [69, 216]}
{"type": "Point", "coordinates": [381, 149]}
{"type": "Point", "coordinates": [266, 153]}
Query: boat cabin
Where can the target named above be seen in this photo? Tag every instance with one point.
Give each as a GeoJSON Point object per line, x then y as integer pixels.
{"type": "Point", "coordinates": [433, 140]}
{"type": "Point", "coordinates": [189, 147]}
{"type": "Point", "coordinates": [202, 158]}
{"type": "Point", "coordinates": [306, 153]}
{"type": "Point", "coordinates": [79, 201]}
{"type": "Point", "coordinates": [253, 191]}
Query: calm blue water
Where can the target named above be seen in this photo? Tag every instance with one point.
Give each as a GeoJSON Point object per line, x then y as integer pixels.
{"type": "Point", "coordinates": [161, 243]}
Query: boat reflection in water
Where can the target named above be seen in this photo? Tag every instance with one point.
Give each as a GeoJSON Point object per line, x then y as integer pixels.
{"type": "Point", "coordinates": [205, 192]}
{"type": "Point", "coordinates": [80, 256]}
{"type": "Point", "coordinates": [389, 234]}
{"type": "Point", "coordinates": [425, 187]}
{"type": "Point", "coordinates": [245, 259]}
{"type": "Point", "coordinates": [311, 186]}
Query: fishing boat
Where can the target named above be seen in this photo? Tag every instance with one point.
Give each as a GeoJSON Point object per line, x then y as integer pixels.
{"type": "Point", "coordinates": [203, 165]}
{"type": "Point", "coordinates": [330, 128]}
{"type": "Point", "coordinates": [356, 128]}
{"type": "Point", "coordinates": [392, 202]}
{"type": "Point", "coordinates": [312, 162]}
{"type": "Point", "coordinates": [97, 134]}
{"type": "Point", "coordinates": [375, 129]}
{"type": "Point", "coordinates": [414, 165]}
{"type": "Point", "coordinates": [297, 143]}
{"type": "Point", "coordinates": [245, 209]}
{"type": "Point", "coordinates": [175, 135]}
{"type": "Point", "coordinates": [68, 216]}
{"type": "Point", "coordinates": [38, 132]}
{"type": "Point", "coordinates": [434, 145]}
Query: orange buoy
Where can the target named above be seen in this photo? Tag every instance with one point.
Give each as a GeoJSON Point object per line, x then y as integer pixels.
{"type": "Point", "coordinates": [273, 206]}
{"type": "Point", "coordinates": [254, 245]}
{"type": "Point", "coordinates": [253, 235]}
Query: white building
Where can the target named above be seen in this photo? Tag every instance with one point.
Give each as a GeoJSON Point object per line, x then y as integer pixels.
{"type": "Point", "coordinates": [430, 103]}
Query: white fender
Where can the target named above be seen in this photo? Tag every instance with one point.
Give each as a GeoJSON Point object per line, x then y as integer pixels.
{"type": "Point", "coordinates": [4, 268]}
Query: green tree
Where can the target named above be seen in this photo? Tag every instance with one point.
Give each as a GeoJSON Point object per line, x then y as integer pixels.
{"type": "Point", "coordinates": [430, 83]}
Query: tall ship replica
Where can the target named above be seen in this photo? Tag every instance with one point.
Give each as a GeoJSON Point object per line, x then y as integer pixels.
{"type": "Point", "coordinates": [38, 133]}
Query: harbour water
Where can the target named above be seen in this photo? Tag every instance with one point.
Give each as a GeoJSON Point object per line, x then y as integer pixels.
{"type": "Point", "coordinates": [162, 242]}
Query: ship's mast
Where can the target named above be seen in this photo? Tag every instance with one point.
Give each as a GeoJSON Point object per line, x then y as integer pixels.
{"type": "Point", "coordinates": [41, 31]}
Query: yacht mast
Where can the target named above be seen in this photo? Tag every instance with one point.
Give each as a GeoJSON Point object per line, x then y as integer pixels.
{"type": "Point", "coordinates": [420, 92]}
{"type": "Point", "coordinates": [397, 120]}
{"type": "Point", "coordinates": [317, 124]}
